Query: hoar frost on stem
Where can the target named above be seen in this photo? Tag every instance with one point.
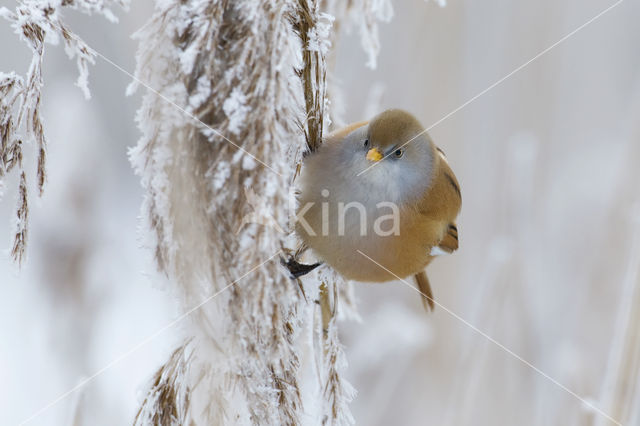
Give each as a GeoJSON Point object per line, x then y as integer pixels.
{"type": "Point", "coordinates": [231, 65]}
{"type": "Point", "coordinates": [37, 22]}
{"type": "Point", "coordinates": [237, 59]}
{"type": "Point", "coordinates": [364, 15]}
{"type": "Point", "coordinates": [254, 75]}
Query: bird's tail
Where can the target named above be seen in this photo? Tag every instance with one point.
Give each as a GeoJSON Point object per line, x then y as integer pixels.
{"type": "Point", "coordinates": [425, 288]}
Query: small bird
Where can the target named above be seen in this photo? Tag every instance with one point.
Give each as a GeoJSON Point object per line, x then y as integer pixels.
{"type": "Point", "coordinates": [379, 192]}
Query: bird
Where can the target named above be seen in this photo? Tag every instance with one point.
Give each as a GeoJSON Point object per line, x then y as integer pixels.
{"type": "Point", "coordinates": [378, 201]}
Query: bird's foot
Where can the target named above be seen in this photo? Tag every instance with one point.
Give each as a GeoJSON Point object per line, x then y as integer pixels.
{"type": "Point", "coordinates": [297, 269]}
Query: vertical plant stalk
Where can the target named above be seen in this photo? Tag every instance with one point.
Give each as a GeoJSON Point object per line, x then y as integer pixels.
{"type": "Point", "coordinates": [337, 391]}
{"type": "Point", "coordinates": [313, 72]}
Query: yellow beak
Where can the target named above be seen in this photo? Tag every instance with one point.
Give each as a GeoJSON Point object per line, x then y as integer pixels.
{"type": "Point", "coordinates": [374, 155]}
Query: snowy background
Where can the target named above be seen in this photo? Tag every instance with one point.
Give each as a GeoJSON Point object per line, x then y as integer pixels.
{"type": "Point", "coordinates": [548, 162]}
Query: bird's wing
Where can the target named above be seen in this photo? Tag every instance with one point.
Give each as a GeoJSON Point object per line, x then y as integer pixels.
{"type": "Point", "coordinates": [444, 198]}
{"type": "Point", "coordinates": [442, 205]}
{"type": "Point", "coordinates": [425, 289]}
{"type": "Point", "coordinates": [439, 208]}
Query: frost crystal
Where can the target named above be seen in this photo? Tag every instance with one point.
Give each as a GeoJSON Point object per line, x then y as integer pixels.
{"type": "Point", "coordinates": [364, 14]}
{"type": "Point", "coordinates": [236, 109]}
{"type": "Point", "coordinates": [319, 40]}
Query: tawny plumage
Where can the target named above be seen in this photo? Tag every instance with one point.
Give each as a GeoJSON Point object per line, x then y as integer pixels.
{"type": "Point", "coordinates": [384, 190]}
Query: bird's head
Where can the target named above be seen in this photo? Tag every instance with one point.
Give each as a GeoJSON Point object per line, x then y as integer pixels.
{"type": "Point", "coordinates": [392, 150]}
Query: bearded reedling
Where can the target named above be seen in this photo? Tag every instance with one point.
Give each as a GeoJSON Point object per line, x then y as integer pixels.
{"type": "Point", "coordinates": [378, 190]}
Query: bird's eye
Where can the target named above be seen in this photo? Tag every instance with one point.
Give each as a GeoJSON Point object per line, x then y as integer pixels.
{"type": "Point", "coordinates": [366, 143]}
{"type": "Point", "coordinates": [398, 153]}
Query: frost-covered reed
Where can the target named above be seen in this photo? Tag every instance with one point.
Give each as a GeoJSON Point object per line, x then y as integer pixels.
{"type": "Point", "coordinates": [242, 90]}
{"type": "Point", "coordinates": [37, 22]}
{"type": "Point", "coordinates": [237, 93]}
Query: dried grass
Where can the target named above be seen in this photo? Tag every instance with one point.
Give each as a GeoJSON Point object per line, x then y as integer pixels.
{"type": "Point", "coordinates": [248, 79]}
{"type": "Point", "coordinates": [36, 22]}
{"type": "Point", "coordinates": [255, 74]}
{"type": "Point", "coordinates": [167, 401]}
{"type": "Point", "coordinates": [231, 66]}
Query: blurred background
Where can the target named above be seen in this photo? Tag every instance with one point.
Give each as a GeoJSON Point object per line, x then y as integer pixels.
{"type": "Point", "coordinates": [549, 164]}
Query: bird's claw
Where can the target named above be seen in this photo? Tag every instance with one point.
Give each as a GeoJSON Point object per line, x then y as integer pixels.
{"type": "Point", "coordinates": [296, 269]}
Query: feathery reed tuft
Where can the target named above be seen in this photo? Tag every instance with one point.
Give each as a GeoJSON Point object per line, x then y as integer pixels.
{"type": "Point", "coordinates": [242, 94]}
{"type": "Point", "coordinates": [167, 402]}
{"type": "Point", "coordinates": [37, 22]}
